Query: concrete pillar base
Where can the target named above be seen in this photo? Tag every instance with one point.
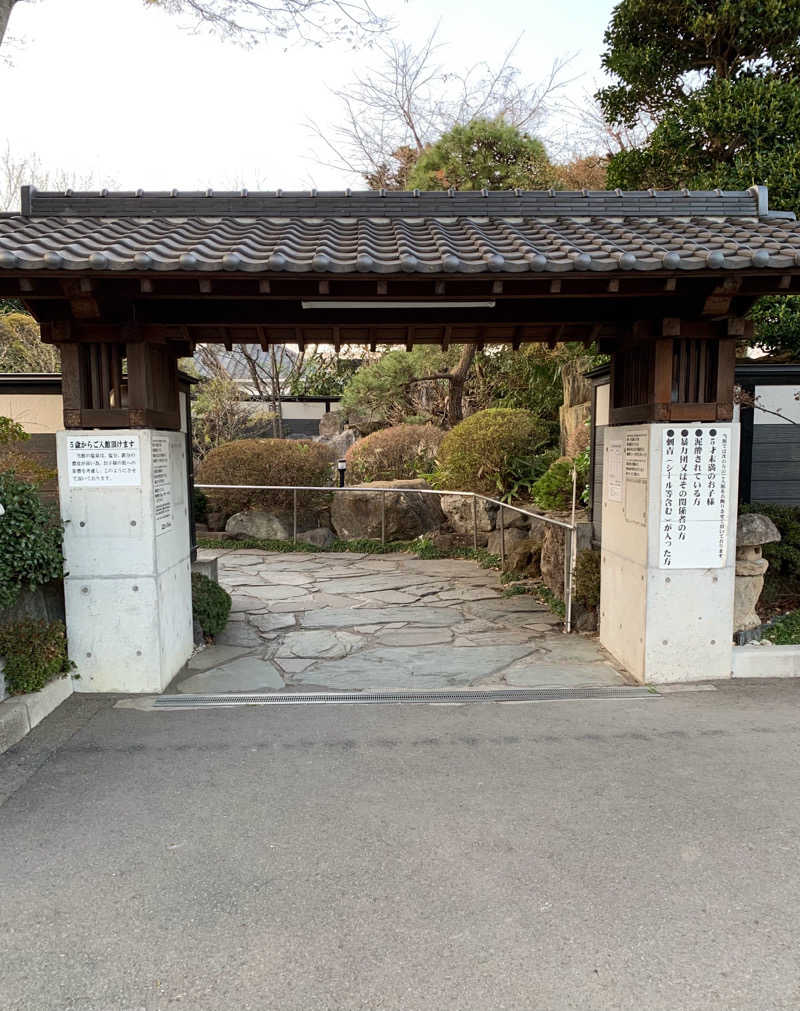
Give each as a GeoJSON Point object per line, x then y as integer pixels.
{"type": "Point", "coordinates": [126, 542]}
{"type": "Point", "coordinates": [668, 556]}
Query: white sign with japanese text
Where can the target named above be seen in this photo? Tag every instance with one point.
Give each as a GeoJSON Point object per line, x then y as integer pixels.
{"type": "Point", "coordinates": [162, 485]}
{"type": "Point", "coordinates": [104, 461]}
{"type": "Point", "coordinates": [695, 502]}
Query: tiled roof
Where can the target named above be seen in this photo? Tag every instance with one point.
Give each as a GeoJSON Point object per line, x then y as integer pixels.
{"type": "Point", "coordinates": [450, 233]}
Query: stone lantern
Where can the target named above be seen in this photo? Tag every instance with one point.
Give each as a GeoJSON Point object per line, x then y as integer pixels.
{"type": "Point", "coordinates": [752, 531]}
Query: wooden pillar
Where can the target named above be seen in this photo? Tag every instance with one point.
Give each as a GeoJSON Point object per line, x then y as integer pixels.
{"type": "Point", "coordinates": [99, 392]}
{"type": "Point", "coordinates": [674, 370]}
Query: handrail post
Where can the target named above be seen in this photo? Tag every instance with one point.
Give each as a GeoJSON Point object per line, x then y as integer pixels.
{"type": "Point", "coordinates": [568, 537]}
{"type": "Point", "coordinates": [383, 518]}
{"type": "Point", "coordinates": [502, 515]}
{"type": "Point", "coordinates": [475, 522]}
{"type": "Point", "coordinates": [294, 516]}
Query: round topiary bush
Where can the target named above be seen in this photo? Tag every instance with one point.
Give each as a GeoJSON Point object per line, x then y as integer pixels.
{"type": "Point", "coordinates": [390, 454]}
{"type": "Point", "coordinates": [553, 490]}
{"type": "Point", "coordinates": [263, 462]}
{"type": "Point", "coordinates": [482, 453]}
{"type": "Point", "coordinates": [211, 605]}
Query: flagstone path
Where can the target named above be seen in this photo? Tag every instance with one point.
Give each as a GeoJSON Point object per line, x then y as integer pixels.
{"type": "Point", "coordinates": [355, 622]}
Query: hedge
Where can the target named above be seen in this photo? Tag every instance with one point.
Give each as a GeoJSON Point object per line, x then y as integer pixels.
{"type": "Point", "coordinates": [402, 451]}
{"type": "Point", "coordinates": [30, 540]}
{"type": "Point", "coordinates": [34, 652]}
{"type": "Point", "coordinates": [264, 462]}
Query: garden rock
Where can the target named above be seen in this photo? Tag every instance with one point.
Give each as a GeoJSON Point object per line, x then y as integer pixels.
{"type": "Point", "coordinates": [408, 515]}
{"type": "Point", "coordinates": [513, 537]}
{"type": "Point", "coordinates": [262, 525]}
{"type": "Point", "coordinates": [215, 521]}
{"type": "Point", "coordinates": [331, 424]}
{"type": "Point", "coordinates": [525, 557]}
{"type": "Point", "coordinates": [458, 510]}
{"type": "Point", "coordinates": [322, 537]}
{"type": "Point", "coordinates": [755, 528]}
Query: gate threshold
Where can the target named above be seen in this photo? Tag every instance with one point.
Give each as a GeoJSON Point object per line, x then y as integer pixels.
{"type": "Point", "coordinates": [604, 692]}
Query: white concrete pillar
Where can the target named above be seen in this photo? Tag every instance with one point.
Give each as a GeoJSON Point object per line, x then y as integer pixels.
{"type": "Point", "coordinates": [669, 548]}
{"type": "Point", "coordinates": [124, 505]}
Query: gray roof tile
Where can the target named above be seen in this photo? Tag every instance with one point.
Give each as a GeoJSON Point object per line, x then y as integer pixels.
{"type": "Point", "coordinates": [370, 233]}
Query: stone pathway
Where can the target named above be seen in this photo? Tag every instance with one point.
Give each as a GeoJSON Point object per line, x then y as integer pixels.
{"type": "Point", "coordinates": [354, 622]}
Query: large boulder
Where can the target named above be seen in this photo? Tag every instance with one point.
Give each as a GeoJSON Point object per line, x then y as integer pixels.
{"type": "Point", "coordinates": [511, 537]}
{"type": "Point", "coordinates": [267, 526]}
{"type": "Point", "coordinates": [458, 510]}
{"type": "Point", "coordinates": [553, 548]}
{"type": "Point", "coordinates": [322, 537]}
{"type": "Point", "coordinates": [331, 424]}
{"type": "Point", "coordinates": [408, 514]}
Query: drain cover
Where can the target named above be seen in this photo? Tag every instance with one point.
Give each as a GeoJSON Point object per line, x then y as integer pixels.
{"type": "Point", "coordinates": [620, 692]}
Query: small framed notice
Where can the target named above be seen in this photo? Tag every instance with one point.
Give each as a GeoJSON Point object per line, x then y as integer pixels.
{"type": "Point", "coordinates": [695, 497]}
{"type": "Point", "coordinates": [101, 461]}
{"type": "Point", "coordinates": [613, 469]}
{"type": "Point", "coordinates": [162, 485]}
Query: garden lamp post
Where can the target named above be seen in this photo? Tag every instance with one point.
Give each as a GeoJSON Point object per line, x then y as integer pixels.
{"type": "Point", "coordinates": [341, 466]}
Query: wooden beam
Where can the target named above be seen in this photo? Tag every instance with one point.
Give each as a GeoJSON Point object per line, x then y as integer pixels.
{"type": "Point", "coordinates": [205, 286]}
{"type": "Point", "coordinates": [555, 287]}
{"type": "Point", "coordinates": [146, 286]}
{"type": "Point", "coordinates": [497, 287]}
{"type": "Point", "coordinates": [264, 287]}
{"type": "Point", "coordinates": [439, 288]}
{"type": "Point", "coordinates": [719, 301]}
{"type": "Point", "coordinates": [613, 285]}
{"type": "Point", "coordinates": [382, 287]}
{"type": "Point", "coordinates": [324, 287]}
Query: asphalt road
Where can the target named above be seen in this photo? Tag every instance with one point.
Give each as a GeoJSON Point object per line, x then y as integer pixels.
{"type": "Point", "coordinates": [592, 855]}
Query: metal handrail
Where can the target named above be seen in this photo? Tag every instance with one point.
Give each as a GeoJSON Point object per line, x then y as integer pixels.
{"type": "Point", "coordinates": [569, 547]}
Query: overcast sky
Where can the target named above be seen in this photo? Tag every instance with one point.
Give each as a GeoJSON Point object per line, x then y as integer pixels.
{"type": "Point", "coordinates": [127, 93]}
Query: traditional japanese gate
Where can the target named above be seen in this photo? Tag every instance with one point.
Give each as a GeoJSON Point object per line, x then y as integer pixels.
{"type": "Point", "coordinates": [662, 281]}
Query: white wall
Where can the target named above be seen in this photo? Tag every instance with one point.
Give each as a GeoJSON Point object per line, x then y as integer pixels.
{"type": "Point", "coordinates": [780, 399]}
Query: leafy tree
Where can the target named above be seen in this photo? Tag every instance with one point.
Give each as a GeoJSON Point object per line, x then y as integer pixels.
{"type": "Point", "coordinates": [777, 325]}
{"type": "Point", "coordinates": [21, 347]}
{"type": "Point", "coordinates": [392, 388]}
{"type": "Point", "coordinates": [716, 83]}
{"type": "Point", "coordinates": [322, 375]}
{"type": "Point", "coordinates": [484, 154]}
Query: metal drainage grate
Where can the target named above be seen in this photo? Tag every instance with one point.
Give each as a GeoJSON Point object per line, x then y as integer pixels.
{"type": "Point", "coordinates": [380, 698]}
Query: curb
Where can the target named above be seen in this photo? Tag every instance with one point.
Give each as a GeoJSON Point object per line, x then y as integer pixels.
{"type": "Point", "coordinates": [21, 713]}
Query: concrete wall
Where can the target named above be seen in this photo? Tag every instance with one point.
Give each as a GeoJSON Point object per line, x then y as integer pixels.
{"type": "Point", "coordinates": [36, 412]}
{"type": "Point", "coordinates": [663, 624]}
{"type": "Point", "coordinates": [128, 591]}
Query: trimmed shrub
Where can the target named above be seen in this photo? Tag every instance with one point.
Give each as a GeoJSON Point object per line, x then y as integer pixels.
{"type": "Point", "coordinates": [553, 490]}
{"type": "Point", "coordinates": [199, 505]}
{"type": "Point", "coordinates": [587, 578]}
{"type": "Point", "coordinates": [403, 451]}
{"type": "Point", "coordinates": [211, 605]}
{"type": "Point", "coordinates": [263, 461]}
{"type": "Point", "coordinates": [782, 580]}
{"type": "Point", "coordinates": [35, 652]}
{"type": "Point", "coordinates": [482, 453]}
{"type": "Point", "coordinates": [30, 540]}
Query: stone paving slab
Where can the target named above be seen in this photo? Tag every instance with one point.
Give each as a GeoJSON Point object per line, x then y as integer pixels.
{"type": "Point", "coordinates": [248, 674]}
{"type": "Point", "coordinates": [342, 621]}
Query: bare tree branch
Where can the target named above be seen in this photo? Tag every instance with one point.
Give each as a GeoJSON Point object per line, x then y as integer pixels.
{"type": "Point", "coordinates": [28, 170]}
{"type": "Point", "coordinates": [248, 22]}
{"type": "Point", "coordinates": [406, 101]}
